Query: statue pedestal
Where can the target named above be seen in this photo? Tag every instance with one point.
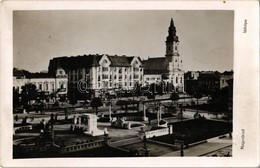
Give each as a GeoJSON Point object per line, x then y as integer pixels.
{"type": "Point", "coordinates": [89, 124]}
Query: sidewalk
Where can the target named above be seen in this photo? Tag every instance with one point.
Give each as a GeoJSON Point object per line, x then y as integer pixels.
{"type": "Point", "coordinates": [213, 144]}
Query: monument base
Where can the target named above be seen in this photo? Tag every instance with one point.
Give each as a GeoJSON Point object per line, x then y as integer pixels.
{"type": "Point", "coordinates": [94, 133]}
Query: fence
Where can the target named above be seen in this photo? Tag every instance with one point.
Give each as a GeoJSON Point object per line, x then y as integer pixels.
{"type": "Point", "coordinates": [83, 146]}
{"type": "Point", "coordinates": [155, 133]}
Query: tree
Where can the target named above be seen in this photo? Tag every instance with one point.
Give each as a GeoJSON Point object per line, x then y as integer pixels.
{"type": "Point", "coordinates": [16, 100]}
{"type": "Point", "coordinates": [150, 96]}
{"type": "Point", "coordinates": [73, 99]}
{"type": "Point", "coordinates": [95, 103]}
{"type": "Point", "coordinates": [198, 95]}
{"type": "Point", "coordinates": [175, 96]}
{"type": "Point", "coordinates": [28, 93]}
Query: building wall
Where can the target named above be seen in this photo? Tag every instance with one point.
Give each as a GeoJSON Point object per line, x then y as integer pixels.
{"type": "Point", "coordinates": [152, 78]}
{"type": "Point", "coordinates": [50, 85]}
{"type": "Point", "coordinates": [106, 76]}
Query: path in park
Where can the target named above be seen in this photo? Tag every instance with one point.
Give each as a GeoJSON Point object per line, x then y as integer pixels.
{"type": "Point", "coordinates": [213, 144]}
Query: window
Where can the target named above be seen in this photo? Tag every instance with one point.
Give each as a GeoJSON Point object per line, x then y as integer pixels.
{"type": "Point", "coordinates": [52, 86]}
{"type": "Point", "coordinates": [175, 60]}
{"type": "Point", "coordinates": [120, 70]}
{"type": "Point", "coordinates": [175, 47]}
{"type": "Point", "coordinates": [181, 79]}
{"type": "Point", "coordinates": [176, 79]}
{"type": "Point", "coordinates": [47, 86]}
{"type": "Point", "coordinates": [115, 77]}
{"type": "Point", "coordinates": [40, 86]}
{"type": "Point", "coordinates": [104, 68]}
{"type": "Point", "coordinates": [105, 76]}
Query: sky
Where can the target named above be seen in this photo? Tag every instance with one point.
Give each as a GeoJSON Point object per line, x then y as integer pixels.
{"type": "Point", "coordinates": [206, 37]}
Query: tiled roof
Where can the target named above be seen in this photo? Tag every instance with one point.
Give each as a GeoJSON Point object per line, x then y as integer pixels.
{"type": "Point", "coordinates": [39, 75]}
{"type": "Point", "coordinates": [87, 61]}
{"type": "Point", "coordinates": [157, 65]}
{"type": "Point", "coordinates": [74, 62]}
{"type": "Point", "coordinates": [120, 61]}
{"type": "Point", "coordinates": [23, 73]}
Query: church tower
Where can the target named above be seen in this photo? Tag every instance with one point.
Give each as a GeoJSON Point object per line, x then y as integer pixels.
{"type": "Point", "coordinates": [175, 73]}
{"type": "Point", "coordinates": [172, 47]}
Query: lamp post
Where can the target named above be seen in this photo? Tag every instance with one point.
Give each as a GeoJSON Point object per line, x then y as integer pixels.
{"type": "Point", "coordinates": [66, 109]}
{"type": "Point", "coordinates": [198, 95]}
{"type": "Point", "coordinates": [110, 108]}
{"type": "Point", "coordinates": [182, 152]}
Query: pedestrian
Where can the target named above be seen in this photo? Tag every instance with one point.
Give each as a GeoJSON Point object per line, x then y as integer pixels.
{"type": "Point", "coordinates": [52, 116]}
{"type": "Point", "coordinates": [56, 116]}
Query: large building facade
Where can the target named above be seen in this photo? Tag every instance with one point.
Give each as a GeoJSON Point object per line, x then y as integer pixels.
{"type": "Point", "coordinates": [169, 68]}
{"type": "Point", "coordinates": [44, 82]}
{"type": "Point", "coordinates": [100, 72]}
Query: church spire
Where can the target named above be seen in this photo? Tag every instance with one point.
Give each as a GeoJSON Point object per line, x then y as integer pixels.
{"type": "Point", "coordinates": [172, 37]}
{"type": "Point", "coordinates": [172, 24]}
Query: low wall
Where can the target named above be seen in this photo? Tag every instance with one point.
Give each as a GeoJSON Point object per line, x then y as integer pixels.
{"type": "Point", "coordinates": [155, 133]}
{"type": "Point", "coordinates": [22, 128]}
{"type": "Point", "coordinates": [134, 118]}
{"type": "Point", "coordinates": [83, 146]}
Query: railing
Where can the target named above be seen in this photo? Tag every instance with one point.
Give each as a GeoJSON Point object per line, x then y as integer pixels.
{"type": "Point", "coordinates": [22, 128]}
{"type": "Point", "coordinates": [155, 133]}
{"type": "Point", "coordinates": [83, 146]}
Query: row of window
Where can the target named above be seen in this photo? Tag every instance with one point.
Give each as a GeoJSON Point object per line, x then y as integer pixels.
{"type": "Point", "coordinates": [208, 82]}
{"type": "Point", "coordinates": [111, 84]}
{"type": "Point", "coordinates": [104, 69]}
{"type": "Point", "coordinates": [153, 79]}
{"type": "Point", "coordinates": [105, 76]}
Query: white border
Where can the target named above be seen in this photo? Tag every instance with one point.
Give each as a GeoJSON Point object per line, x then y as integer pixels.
{"type": "Point", "coordinates": [246, 84]}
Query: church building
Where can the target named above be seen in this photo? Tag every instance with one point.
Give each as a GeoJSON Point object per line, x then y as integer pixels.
{"type": "Point", "coordinates": [168, 68]}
